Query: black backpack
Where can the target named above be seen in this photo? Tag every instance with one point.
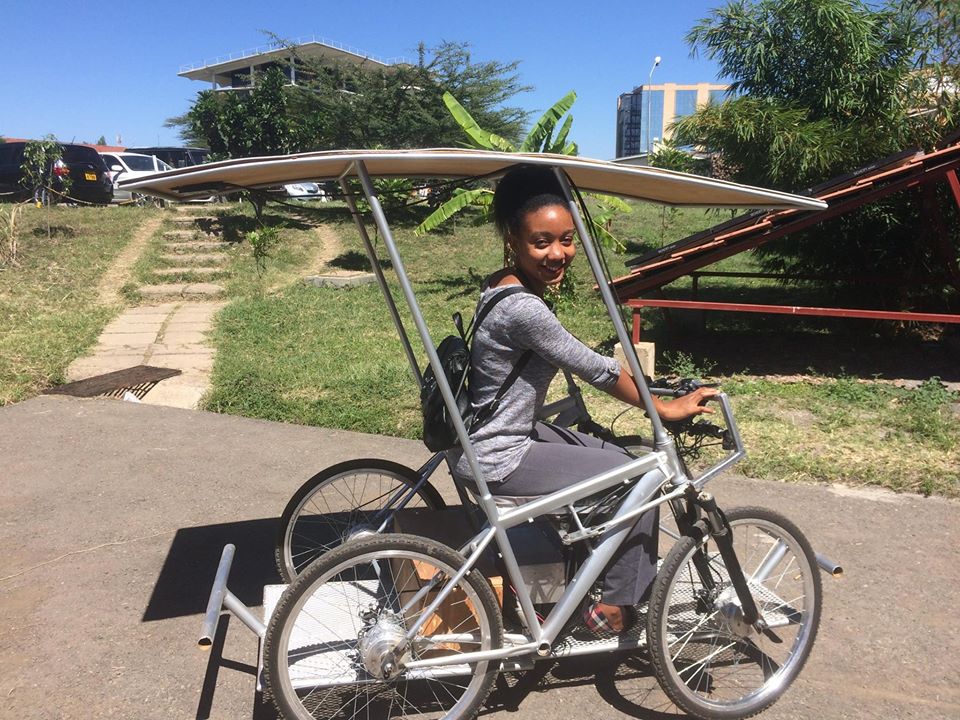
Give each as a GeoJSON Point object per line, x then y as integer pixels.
{"type": "Point", "coordinates": [454, 353]}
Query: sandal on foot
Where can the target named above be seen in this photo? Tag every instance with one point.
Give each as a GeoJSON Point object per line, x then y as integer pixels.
{"type": "Point", "coordinates": [597, 624]}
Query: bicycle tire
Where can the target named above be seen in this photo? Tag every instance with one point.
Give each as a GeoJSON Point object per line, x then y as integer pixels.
{"type": "Point", "coordinates": [634, 444]}
{"type": "Point", "coordinates": [710, 666]}
{"type": "Point", "coordinates": [327, 637]}
{"type": "Point", "coordinates": [311, 526]}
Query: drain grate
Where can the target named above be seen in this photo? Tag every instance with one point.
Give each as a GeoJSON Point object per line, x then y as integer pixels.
{"type": "Point", "coordinates": [138, 380]}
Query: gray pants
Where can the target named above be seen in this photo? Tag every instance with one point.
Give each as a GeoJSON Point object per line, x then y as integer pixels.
{"type": "Point", "coordinates": [560, 457]}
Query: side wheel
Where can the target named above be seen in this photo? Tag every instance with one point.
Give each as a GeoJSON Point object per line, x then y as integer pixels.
{"type": "Point", "coordinates": [341, 502]}
{"type": "Point", "coordinates": [336, 644]}
{"type": "Point", "coordinates": [707, 660]}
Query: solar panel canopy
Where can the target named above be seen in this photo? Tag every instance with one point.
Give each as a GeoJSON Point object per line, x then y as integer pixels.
{"type": "Point", "coordinates": [641, 183]}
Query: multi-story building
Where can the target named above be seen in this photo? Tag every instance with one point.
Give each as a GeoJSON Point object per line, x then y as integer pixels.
{"type": "Point", "coordinates": [644, 115]}
{"type": "Point", "coordinates": [239, 70]}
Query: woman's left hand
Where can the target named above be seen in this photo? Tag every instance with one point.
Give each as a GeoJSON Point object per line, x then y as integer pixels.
{"type": "Point", "coordinates": [688, 405]}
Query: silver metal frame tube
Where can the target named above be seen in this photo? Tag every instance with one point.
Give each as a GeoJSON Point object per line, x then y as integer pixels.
{"type": "Point", "coordinates": [562, 498]}
{"type": "Point", "coordinates": [472, 657]}
{"type": "Point", "coordinates": [485, 499]}
{"type": "Point", "coordinates": [831, 567]}
{"type": "Point", "coordinates": [381, 222]}
{"type": "Point", "coordinates": [215, 602]}
{"type": "Point", "coordinates": [220, 598]}
{"type": "Point", "coordinates": [633, 514]}
{"type": "Point", "coordinates": [774, 556]}
{"type": "Point", "coordinates": [232, 603]}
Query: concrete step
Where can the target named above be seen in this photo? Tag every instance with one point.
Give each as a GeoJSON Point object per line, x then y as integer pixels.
{"type": "Point", "coordinates": [195, 259]}
{"type": "Point", "coordinates": [182, 290]}
{"type": "Point", "coordinates": [190, 221]}
{"type": "Point", "coordinates": [193, 271]}
{"type": "Point", "coordinates": [179, 234]}
{"type": "Point", "coordinates": [192, 246]}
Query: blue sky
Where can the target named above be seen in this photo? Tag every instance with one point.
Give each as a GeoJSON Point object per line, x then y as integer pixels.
{"type": "Point", "coordinates": [84, 69]}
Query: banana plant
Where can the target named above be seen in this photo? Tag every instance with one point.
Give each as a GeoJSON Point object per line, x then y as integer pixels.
{"type": "Point", "coordinates": [540, 139]}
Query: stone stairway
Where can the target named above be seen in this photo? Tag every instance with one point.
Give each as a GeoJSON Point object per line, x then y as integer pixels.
{"type": "Point", "coordinates": [193, 258]}
{"type": "Point", "coordinates": [171, 330]}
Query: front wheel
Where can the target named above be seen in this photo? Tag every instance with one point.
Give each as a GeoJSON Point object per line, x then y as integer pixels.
{"type": "Point", "coordinates": [336, 645]}
{"type": "Point", "coordinates": [708, 661]}
{"type": "Point", "coordinates": [344, 501]}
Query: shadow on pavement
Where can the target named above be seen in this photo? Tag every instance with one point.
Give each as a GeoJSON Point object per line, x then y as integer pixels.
{"type": "Point", "coordinates": [183, 586]}
{"type": "Point", "coordinates": [626, 683]}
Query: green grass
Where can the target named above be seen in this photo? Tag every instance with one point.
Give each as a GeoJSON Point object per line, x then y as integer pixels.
{"type": "Point", "coordinates": [49, 313]}
{"type": "Point", "coordinates": [850, 431]}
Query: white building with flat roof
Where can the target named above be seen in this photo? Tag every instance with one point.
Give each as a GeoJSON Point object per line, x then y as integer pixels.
{"type": "Point", "coordinates": [239, 70]}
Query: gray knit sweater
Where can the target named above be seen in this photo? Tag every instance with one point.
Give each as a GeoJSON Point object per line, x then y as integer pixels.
{"type": "Point", "coordinates": [518, 323]}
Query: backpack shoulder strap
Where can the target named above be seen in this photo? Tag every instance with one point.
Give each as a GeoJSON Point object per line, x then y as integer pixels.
{"type": "Point", "coordinates": [487, 410]}
{"type": "Point", "coordinates": [490, 304]}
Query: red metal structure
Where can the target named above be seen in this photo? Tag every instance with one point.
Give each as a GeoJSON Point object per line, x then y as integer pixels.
{"type": "Point", "coordinates": [910, 169]}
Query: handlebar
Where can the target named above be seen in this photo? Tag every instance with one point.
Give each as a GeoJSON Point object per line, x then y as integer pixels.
{"type": "Point", "coordinates": [694, 430]}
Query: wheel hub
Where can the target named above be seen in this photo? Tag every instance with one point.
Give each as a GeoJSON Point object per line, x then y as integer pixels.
{"type": "Point", "coordinates": [360, 530]}
{"type": "Point", "coordinates": [730, 615]}
{"type": "Point", "coordinates": [378, 645]}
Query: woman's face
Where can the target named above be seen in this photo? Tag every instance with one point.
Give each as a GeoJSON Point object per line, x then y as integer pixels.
{"type": "Point", "coordinates": [544, 245]}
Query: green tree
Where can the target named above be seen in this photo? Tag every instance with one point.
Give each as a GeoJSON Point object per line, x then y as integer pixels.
{"type": "Point", "coordinates": [818, 86]}
{"type": "Point", "coordinates": [938, 59]}
{"type": "Point", "coordinates": [355, 106]}
{"type": "Point", "coordinates": [349, 106]}
{"type": "Point", "coordinates": [821, 87]}
{"type": "Point", "coordinates": [670, 155]}
{"type": "Point", "coordinates": [243, 123]}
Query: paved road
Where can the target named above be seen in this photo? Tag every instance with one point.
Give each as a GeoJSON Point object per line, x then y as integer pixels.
{"type": "Point", "coordinates": [112, 516]}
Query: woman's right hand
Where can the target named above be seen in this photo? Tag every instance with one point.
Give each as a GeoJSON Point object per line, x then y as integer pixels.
{"type": "Point", "coordinates": [685, 406]}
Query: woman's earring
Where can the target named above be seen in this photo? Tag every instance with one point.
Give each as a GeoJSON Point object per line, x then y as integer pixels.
{"type": "Point", "coordinates": [509, 256]}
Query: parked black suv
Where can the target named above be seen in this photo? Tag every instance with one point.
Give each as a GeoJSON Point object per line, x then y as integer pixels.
{"type": "Point", "coordinates": [89, 178]}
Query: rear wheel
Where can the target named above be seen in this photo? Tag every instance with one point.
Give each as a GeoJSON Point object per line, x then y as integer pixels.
{"type": "Point", "coordinates": [707, 660]}
{"type": "Point", "coordinates": [343, 501]}
{"type": "Point", "coordinates": [335, 646]}
{"type": "Point", "coordinates": [636, 445]}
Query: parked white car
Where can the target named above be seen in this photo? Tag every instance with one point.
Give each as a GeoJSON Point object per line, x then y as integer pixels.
{"type": "Point", "coordinates": [127, 166]}
{"type": "Point", "coordinates": [305, 191]}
